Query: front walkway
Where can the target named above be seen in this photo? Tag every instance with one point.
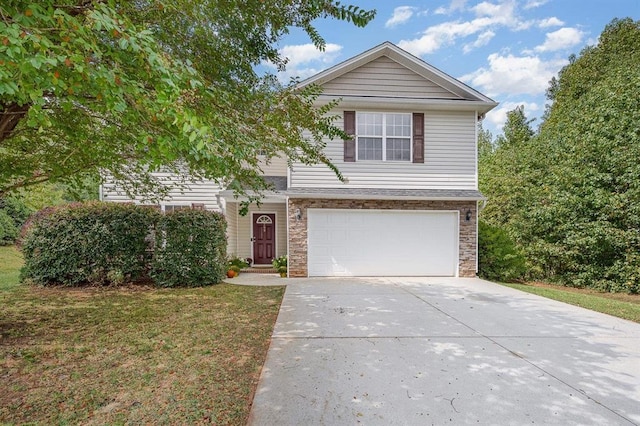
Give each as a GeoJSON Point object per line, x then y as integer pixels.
{"type": "Point", "coordinates": [257, 279]}
{"type": "Point", "coordinates": [443, 351]}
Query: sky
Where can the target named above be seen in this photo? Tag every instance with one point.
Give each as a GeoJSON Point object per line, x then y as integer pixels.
{"type": "Point", "coordinates": [506, 49]}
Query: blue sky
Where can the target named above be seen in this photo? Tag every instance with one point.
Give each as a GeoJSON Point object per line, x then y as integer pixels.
{"type": "Point", "coordinates": [506, 49]}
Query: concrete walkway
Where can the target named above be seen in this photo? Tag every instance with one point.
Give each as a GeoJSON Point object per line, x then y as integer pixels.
{"type": "Point", "coordinates": [254, 279]}
{"type": "Point", "coordinates": [420, 351]}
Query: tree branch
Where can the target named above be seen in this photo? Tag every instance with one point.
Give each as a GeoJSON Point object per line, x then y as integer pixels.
{"type": "Point", "coordinates": [82, 7]}
{"type": "Point", "coordinates": [10, 116]}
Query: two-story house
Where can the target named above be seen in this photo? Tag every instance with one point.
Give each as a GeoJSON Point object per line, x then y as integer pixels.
{"type": "Point", "coordinates": [409, 202]}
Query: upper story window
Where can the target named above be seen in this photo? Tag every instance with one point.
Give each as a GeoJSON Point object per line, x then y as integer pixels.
{"type": "Point", "coordinates": [383, 136]}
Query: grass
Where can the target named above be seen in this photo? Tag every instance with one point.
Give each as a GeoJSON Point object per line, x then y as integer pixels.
{"type": "Point", "coordinates": [625, 306]}
{"type": "Point", "coordinates": [10, 264]}
{"type": "Point", "coordinates": [130, 355]}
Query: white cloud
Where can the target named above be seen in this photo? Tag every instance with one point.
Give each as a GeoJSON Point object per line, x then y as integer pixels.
{"type": "Point", "coordinates": [455, 5]}
{"type": "Point", "coordinates": [550, 22]}
{"type": "Point", "coordinates": [561, 39]}
{"type": "Point", "coordinates": [488, 16]}
{"type": "Point", "coordinates": [498, 116]}
{"type": "Point", "coordinates": [500, 13]}
{"type": "Point", "coordinates": [305, 53]}
{"type": "Point", "coordinates": [531, 4]}
{"type": "Point", "coordinates": [482, 40]}
{"type": "Point", "coordinates": [514, 75]}
{"type": "Point", "coordinates": [401, 14]}
{"type": "Point", "coordinates": [438, 36]}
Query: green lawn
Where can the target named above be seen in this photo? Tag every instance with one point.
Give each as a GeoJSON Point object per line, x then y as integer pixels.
{"type": "Point", "coordinates": [10, 263]}
{"type": "Point", "coordinates": [620, 305]}
{"type": "Point", "coordinates": [132, 355]}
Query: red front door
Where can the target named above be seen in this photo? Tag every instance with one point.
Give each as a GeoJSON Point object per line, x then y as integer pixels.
{"type": "Point", "coordinates": [264, 238]}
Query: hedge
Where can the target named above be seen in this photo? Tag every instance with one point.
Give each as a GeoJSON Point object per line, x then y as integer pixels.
{"type": "Point", "coordinates": [88, 244]}
{"type": "Point", "coordinates": [100, 243]}
{"type": "Point", "coordinates": [190, 249]}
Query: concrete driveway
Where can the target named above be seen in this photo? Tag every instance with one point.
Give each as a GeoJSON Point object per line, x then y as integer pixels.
{"type": "Point", "coordinates": [419, 351]}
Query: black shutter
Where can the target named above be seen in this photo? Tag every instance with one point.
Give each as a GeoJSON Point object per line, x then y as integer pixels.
{"type": "Point", "coordinates": [418, 137]}
{"type": "Point", "coordinates": [350, 129]}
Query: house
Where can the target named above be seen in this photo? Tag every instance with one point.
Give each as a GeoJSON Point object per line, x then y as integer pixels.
{"type": "Point", "coordinates": [409, 202]}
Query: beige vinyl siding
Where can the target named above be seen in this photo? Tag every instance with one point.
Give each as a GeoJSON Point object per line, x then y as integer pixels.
{"type": "Point", "coordinates": [450, 142]}
{"type": "Point", "coordinates": [276, 166]}
{"type": "Point", "coordinates": [244, 245]}
{"type": "Point", "coordinates": [198, 192]}
{"type": "Point", "coordinates": [385, 77]}
{"type": "Point", "coordinates": [231, 214]}
{"type": "Point", "coordinates": [450, 160]}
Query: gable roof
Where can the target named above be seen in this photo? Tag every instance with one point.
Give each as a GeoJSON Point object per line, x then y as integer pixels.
{"type": "Point", "coordinates": [387, 49]}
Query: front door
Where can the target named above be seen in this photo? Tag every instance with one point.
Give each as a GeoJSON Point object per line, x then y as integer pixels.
{"type": "Point", "coordinates": [264, 238]}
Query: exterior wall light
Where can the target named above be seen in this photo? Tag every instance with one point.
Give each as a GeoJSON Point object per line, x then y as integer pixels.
{"type": "Point", "coordinates": [298, 214]}
{"type": "Point", "coordinates": [467, 216]}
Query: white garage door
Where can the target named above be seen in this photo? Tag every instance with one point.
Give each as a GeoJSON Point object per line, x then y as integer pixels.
{"type": "Point", "coordinates": [382, 242]}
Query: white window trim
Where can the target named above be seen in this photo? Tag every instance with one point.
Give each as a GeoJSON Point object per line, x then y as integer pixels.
{"type": "Point", "coordinates": [173, 207]}
{"type": "Point", "coordinates": [384, 137]}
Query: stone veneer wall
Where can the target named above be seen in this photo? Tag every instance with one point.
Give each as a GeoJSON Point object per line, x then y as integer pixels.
{"type": "Point", "coordinates": [298, 229]}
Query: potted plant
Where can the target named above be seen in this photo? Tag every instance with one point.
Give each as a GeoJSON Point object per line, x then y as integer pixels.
{"type": "Point", "coordinates": [234, 265]}
{"type": "Point", "coordinates": [280, 265]}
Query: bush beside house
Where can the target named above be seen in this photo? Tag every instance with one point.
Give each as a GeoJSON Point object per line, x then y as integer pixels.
{"type": "Point", "coordinates": [498, 258]}
{"type": "Point", "coordinates": [111, 244]}
{"type": "Point", "coordinates": [190, 249]}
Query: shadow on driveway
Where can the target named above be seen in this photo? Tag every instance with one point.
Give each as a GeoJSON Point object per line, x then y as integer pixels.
{"type": "Point", "coordinates": [443, 350]}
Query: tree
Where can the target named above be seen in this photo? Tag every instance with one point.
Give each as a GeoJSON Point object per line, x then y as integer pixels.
{"type": "Point", "coordinates": [570, 195]}
{"type": "Point", "coordinates": [134, 87]}
{"type": "Point", "coordinates": [587, 223]}
{"type": "Point", "coordinates": [517, 129]}
{"type": "Point", "coordinates": [485, 143]}
{"type": "Point", "coordinates": [503, 175]}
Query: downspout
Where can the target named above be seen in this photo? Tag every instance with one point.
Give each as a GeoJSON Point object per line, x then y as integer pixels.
{"type": "Point", "coordinates": [287, 216]}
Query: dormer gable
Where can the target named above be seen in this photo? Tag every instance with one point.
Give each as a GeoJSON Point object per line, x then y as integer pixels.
{"type": "Point", "coordinates": [389, 72]}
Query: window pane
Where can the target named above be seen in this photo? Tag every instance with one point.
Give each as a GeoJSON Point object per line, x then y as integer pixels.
{"type": "Point", "coordinates": [369, 148]}
{"type": "Point", "coordinates": [369, 124]}
{"type": "Point", "coordinates": [398, 149]}
{"type": "Point", "coordinates": [399, 125]}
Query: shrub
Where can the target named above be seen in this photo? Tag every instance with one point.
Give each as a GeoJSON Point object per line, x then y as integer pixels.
{"type": "Point", "coordinates": [280, 264]}
{"type": "Point", "coordinates": [8, 230]}
{"type": "Point", "coordinates": [34, 219]}
{"type": "Point", "coordinates": [239, 262]}
{"type": "Point", "coordinates": [190, 249]}
{"type": "Point", "coordinates": [498, 258]}
{"type": "Point", "coordinates": [88, 244]}
{"type": "Point", "coordinates": [13, 213]}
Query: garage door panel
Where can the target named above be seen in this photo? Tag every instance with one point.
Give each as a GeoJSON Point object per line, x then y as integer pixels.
{"type": "Point", "coordinates": [382, 242]}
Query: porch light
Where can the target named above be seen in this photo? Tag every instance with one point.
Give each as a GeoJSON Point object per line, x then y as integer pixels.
{"type": "Point", "coordinates": [467, 216]}
{"type": "Point", "coordinates": [298, 214]}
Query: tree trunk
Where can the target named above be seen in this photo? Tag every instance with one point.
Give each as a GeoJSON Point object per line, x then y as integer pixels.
{"type": "Point", "coordinates": [10, 116]}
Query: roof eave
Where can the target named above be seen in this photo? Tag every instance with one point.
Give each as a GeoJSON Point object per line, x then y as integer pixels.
{"type": "Point", "coordinates": [334, 196]}
{"type": "Point", "coordinates": [265, 197]}
{"type": "Point", "coordinates": [409, 103]}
